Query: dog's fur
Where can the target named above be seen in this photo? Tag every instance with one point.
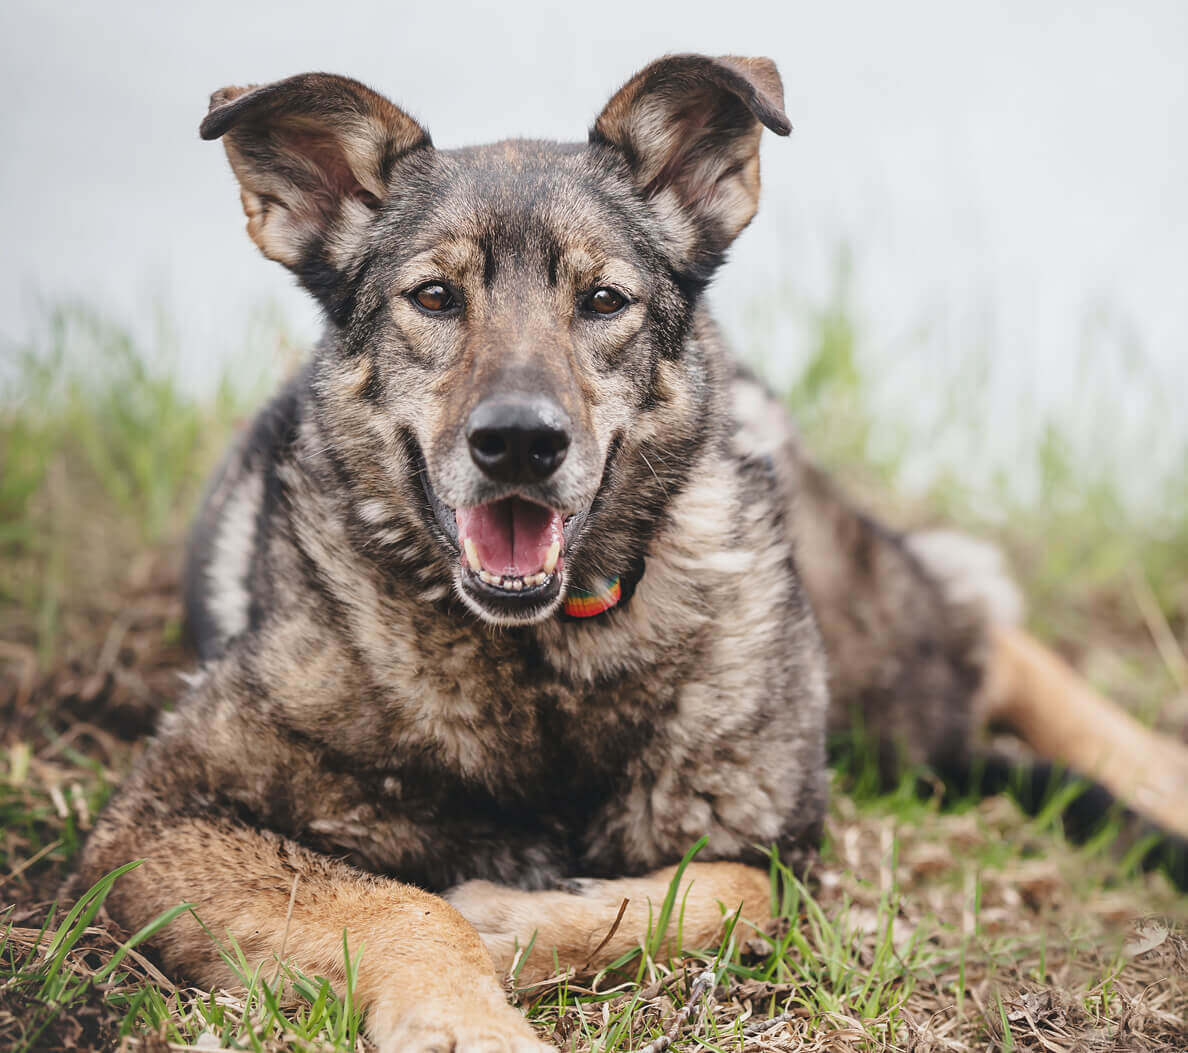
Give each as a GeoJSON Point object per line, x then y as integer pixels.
{"type": "Point", "coordinates": [380, 743]}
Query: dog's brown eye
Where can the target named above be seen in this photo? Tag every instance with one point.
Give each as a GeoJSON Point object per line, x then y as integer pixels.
{"type": "Point", "coordinates": [605, 301]}
{"type": "Point", "coordinates": [433, 296]}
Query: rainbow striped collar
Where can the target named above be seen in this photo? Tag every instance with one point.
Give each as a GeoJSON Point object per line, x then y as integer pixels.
{"type": "Point", "coordinates": [581, 603]}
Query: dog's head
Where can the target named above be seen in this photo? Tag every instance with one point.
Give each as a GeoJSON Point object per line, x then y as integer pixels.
{"type": "Point", "coordinates": [511, 322]}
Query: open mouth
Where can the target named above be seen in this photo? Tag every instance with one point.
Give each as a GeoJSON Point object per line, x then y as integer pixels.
{"type": "Point", "coordinates": [511, 552]}
{"type": "Point", "coordinates": [511, 545]}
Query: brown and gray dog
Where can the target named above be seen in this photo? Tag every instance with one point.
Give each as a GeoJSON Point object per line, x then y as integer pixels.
{"type": "Point", "coordinates": [523, 585]}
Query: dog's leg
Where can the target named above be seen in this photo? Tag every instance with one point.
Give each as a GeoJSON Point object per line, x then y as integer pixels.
{"type": "Point", "coordinates": [1059, 714]}
{"type": "Point", "coordinates": [424, 976]}
{"type": "Point", "coordinates": [1038, 695]}
{"type": "Point", "coordinates": [570, 929]}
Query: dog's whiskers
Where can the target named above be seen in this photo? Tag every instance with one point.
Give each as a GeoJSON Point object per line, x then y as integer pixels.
{"type": "Point", "coordinates": [653, 471]}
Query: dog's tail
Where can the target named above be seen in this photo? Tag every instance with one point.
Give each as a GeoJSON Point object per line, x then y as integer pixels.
{"type": "Point", "coordinates": [1034, 692]}
{"type": "Point", "coordinates": [1058, 713]}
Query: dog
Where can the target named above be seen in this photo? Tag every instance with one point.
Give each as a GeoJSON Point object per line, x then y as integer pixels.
{"type": "Point", "coordinates": [522, 585]}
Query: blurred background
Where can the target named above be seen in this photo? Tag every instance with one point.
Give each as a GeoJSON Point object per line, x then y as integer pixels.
{"type": "Point", "coordinates": [1001, 186]}
{"type": "Point", "coordinates": [968, 272]}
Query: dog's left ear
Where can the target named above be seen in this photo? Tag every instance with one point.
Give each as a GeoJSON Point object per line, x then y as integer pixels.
{"type": "Point", "coordinates": [688, 127]}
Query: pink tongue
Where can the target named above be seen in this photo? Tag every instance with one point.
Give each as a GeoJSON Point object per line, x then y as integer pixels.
{"type": "Point", "coordinates": [512, 536]}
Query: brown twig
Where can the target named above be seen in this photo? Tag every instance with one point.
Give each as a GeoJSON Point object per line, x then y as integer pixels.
{"type": "Point", "coordinates": [607, 938]}
{"type": "Point", "coordinates": [761, 1027]}
{"type": "Point", "coordinates": [18, 870]}
{"type": "Point", "coordinates": [57, 744]}
{"type": "Point", "coordinates": [1161, 633]}
{"type": "Point", "coordinates": [700, 996]}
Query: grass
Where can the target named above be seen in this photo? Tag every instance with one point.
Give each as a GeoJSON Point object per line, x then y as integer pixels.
{"type": "Point", "coordinates": [928, 925]}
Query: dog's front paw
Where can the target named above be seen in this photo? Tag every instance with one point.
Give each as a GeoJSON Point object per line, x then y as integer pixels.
{"type": "Point", "coordinates": [447, 1025]}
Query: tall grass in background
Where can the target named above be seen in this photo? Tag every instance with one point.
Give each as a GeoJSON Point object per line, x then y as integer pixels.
{"type": "Point", "coordinates": [104, 446]}
{"type": "Point", "coordinates": [103, 449]}
{"type": "Point", "coordinates": [1088, 488]}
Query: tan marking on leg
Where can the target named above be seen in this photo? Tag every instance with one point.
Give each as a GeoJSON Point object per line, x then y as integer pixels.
{"type": "Point", "coordinates": [1059, 714]}
{"type": "Point", "coordinates": [573, 926]}
{"type": "Point", "coordinates": [424, 976]}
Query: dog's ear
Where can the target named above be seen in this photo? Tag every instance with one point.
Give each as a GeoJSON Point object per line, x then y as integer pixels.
{"type": "Point", "coordinates": [688, 127]}
{"type": "Point", "coordinates": [312, 155]}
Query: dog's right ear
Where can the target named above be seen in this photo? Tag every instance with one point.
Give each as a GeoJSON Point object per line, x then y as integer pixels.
{"type": "Point", "coordinates": [312, 155]}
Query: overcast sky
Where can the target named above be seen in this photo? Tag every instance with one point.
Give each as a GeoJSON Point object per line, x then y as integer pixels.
{"type": "Point", "coordinates": [1002, 171]}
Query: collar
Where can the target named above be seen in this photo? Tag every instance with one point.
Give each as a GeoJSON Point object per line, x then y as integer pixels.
{"type": "Point", "coordinates": [603, 594]}
{"type": "Point", "coordinates": [586, 603]}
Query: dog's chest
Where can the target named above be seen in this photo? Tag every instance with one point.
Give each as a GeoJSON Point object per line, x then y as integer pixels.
{"type": "Point", "coordinates": [495, 708]}
{"type": "Point", "coordinates": [489, 762]}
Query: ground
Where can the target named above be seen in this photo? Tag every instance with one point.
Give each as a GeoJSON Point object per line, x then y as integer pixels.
{"type": "Point", "coordinates": [962, 926]}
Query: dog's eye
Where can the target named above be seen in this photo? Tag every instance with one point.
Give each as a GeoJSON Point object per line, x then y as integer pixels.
{"type": "Point", "coordinates": [433, 296]}
{"type": "Point", "coordinates": [605, 301]}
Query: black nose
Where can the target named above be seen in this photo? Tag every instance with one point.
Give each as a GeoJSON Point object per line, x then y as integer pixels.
{"type": "Point", "coordinates": [518, 438]}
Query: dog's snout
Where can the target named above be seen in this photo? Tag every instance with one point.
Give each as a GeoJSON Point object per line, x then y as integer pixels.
{"type": "Point", "coordinates": [518, 438]}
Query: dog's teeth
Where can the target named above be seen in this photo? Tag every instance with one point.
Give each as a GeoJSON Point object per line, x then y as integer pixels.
{"type": "Point", "coordinates": [472, 555]}
{"type": "Point", "coordinates": [550, 563]}
{"type": "Point", "coordinates": [509, 582]}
